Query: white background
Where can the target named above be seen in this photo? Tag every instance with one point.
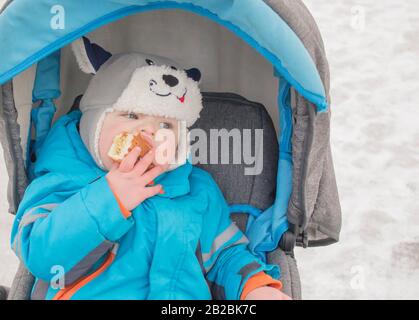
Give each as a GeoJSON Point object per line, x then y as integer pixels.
{"type": "Point", "coordinates": [373, 51]}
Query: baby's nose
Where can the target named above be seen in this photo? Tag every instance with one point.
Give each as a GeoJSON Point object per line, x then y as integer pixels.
{"type": "Point", "coordinates": [148, 130]}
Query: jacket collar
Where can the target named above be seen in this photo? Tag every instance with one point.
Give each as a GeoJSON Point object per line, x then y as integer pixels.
{"type": "Point", "coordinates": [175, 182]}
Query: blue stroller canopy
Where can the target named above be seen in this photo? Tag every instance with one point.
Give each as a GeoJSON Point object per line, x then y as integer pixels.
{"type": "Point", "coordinates": [27, 33]}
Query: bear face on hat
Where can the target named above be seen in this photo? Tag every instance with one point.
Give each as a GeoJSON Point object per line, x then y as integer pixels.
{"type": "Point", "coordinates": [161, 90]}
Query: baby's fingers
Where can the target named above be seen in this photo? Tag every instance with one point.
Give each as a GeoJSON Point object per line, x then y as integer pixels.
{"type": "Point", "coordinates": [152, 191]}
{"type": "Point", "coordinates": [129, 161]}
{"type": "Point", "coordinates": [115, 166]}
{"type": "Point", "coordinates": [144, 163]}
{"type": "Point", "coordinates": [153, 173]}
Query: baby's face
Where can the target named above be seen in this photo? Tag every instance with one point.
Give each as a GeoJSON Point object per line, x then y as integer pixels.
{"type": "Point", "coordinates": [162, 132]}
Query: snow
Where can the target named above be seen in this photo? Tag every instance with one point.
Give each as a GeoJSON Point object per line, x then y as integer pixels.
{"type": "Point", "coordinates": [375, 140]}
{"type": "Point", "coordinates": [373, 50]}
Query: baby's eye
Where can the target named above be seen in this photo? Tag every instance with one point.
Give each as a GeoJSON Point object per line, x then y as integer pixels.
{"type": "Point", "coordinates": [165, 125]}
{"type": "Point", "coordinates": [131, 115]}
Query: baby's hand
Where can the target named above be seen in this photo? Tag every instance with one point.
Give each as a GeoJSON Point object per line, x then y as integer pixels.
{"type": "Point", "coordinates": [266, 293]}
{"type": "Point", "coordinates": [129, 179]}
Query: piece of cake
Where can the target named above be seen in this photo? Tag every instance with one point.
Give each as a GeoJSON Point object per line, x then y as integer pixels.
{"type": "Point", "coordinates": [124, 142]}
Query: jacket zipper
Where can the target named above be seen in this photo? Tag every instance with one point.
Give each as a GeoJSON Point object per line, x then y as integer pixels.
{"type": "Point", "coordinates": [67, 293]}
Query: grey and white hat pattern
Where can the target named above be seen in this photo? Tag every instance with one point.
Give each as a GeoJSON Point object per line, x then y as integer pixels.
{"type": "Point", "coordinates": [135, 82]}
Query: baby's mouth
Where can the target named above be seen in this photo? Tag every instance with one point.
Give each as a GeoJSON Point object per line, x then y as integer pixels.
{"type": "Point", "coordinates": [147, 137]}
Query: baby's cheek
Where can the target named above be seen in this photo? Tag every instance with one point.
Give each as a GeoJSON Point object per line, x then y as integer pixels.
{"type": "Point", "coordinates": [165, 152]}
{"type": "Point", "coordinates": [103, 150]}
{"type": "Point", "coordinates": [105, 143]}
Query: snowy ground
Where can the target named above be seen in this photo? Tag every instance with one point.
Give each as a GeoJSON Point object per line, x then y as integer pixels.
{"type": "Point", "coordinates": [375, 138]}
{"type": "Point", "coordinates": [373, 50]}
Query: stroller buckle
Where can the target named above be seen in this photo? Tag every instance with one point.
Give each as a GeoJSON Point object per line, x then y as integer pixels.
{"type": "Point", "coordinates": [304, 241]}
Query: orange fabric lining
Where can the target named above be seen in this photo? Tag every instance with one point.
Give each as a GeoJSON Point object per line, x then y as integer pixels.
{"type": "Point", "coordinates": [67, 293]}
{"type": "Point", "coordinates": [125, 212]}
{"type": "Point", "coordinates": [259, 279]}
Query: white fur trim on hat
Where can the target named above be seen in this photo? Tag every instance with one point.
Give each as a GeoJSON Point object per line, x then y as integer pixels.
{"type": "Point", "coordinates": [98, 130]}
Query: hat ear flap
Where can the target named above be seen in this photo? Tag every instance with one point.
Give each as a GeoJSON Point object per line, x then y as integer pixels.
{"type": "Point", "coordinates": [89, 56]}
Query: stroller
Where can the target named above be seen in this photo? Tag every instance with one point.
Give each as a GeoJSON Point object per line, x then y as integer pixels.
{"type": "Point", "coordinates": [267, 51]}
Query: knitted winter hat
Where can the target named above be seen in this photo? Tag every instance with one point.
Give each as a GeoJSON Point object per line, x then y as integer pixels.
{"type": "Point", "coordinates": [139, 83]}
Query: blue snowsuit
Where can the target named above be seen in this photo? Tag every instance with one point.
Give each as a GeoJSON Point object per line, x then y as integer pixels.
{"type": "Point", "coordinates": [178, 245]}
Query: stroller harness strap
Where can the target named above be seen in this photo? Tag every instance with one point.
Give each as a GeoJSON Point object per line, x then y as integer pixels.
{"type": "Point", "coordinates": [265, 228]}
{"type": "Point", "coordinates": [46, 88]}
